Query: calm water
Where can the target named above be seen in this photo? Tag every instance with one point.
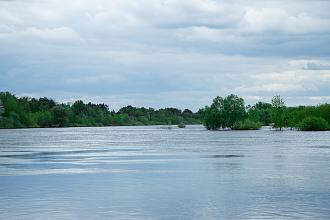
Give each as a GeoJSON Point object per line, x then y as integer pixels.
{"type": "Point", "coordinates": [154, 173]}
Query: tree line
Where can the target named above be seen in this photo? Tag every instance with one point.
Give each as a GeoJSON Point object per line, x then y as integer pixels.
{"type": "Point", "coordinates": [25, 112]}
{"type": "Point", "coordinates": [231, 113]}
{"type": "Point", "coordinates": [224, 113]}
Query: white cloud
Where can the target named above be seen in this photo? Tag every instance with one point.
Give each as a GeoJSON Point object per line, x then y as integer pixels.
{"type": "Point", "coordinates": [319, 98]}
{"type": "Point", "coordinates": [61, 34]}
{"type": "Point", "coordinates": [8, 17]}
{"type": "Point", "coordinates": [294, 81]}
{"type": "Point", "coordinates": [96, 79]}
{"type": "Point", "coordinates": [272, 87]}
{"type": "Point", "coordinates": [277, 21]}
{"type": "Point", "coordinates": [47, 35]}
{"type": "Point", "coordinates": [143, 50]}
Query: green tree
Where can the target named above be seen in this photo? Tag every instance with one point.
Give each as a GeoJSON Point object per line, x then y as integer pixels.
{"type": "Point", "coordinates": [2, 110]}
{"type": "Point", "coordinates": [9, 103]}
{"type": "Point", "coordinates": [278, 112]}
{"type": "Point", "coordinates": [260, 112]}
{"type": "Point", "coordinates": [234, 110]}
{"type": "Point", "coordinates": [78, 107]}
{"type": "Point", "coordinates": [45, 112]}
{"type": "Point", "coordinates": [211, 118]}
{"type": "Point", "coordinates": [60, 115]}
{"type": "Point", "coordinates": [45, 104]}
{"type": "Point", "coordinates": [313, 123]}
{"type": "Point", "coordinates": [28, 119]}
{"type": "Point", "coordinates": [45, 119]}
{"type": "Point", "coordinates": [223, 113]}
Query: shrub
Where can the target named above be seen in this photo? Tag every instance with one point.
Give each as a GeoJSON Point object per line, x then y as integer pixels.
{"type": "Point", "coordinates": [181, 125]}
{"type": "Point", "coordinates": [313, 123]}
{"type": "Point", "coordinates": [247, 125]}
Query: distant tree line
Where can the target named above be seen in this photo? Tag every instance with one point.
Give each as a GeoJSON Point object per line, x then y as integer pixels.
{"type": "Point", "coordinates": [231, 113]}
{"type": "Point", "coordinates": [223, 113]}
{"type": "Point", "coordinates": [25, 112]}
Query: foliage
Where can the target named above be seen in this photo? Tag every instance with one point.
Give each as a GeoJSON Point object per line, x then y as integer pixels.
{"type": "Point", "coordinates": [215, 116]}
{"type": "Point", "coordinates": [313, 123]}
{"type": "Point", "coordinates": [2, 110]}
{"type": "Point", "coordinates": [297, 114]}
{"type": "Point", "coordinates": [61, 115]}
{"type": "Point", "coordinates": [228, 112]}
{"type": "Point", "coordinates": [211, 118]}
{"type": "Point", "coordinates": [260, 112]}
{"type": "Point", "coordinates": [234, 110]}
{"type": "Point", "coordinates": [247, 125]}
{"type": "Point", "coordinates": [223, 112]}
{"type": "Point", "coordinates": [45, 112]}
{"type": "Point", "coordinates": [278, 112]}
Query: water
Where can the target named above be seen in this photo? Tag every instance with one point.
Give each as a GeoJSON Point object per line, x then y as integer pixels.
{"type": "Point", "coordinates": [154, 173]}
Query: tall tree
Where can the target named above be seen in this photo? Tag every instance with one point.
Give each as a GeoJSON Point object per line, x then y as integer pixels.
{"type": "Point", "coordinates": [9, 103]}
{"type": "Point", "coordinates": [78, 107]}
{"type": "Point", "coordinates": [60, 115]}
{"type": "Point", "coordinates": [223, 113]}
{"type": "Point", "coordinates": [278, 112]}
{"type": "Point", "coordinates": [260, 112]}
{"type": "Point", "coordinates": [1, 108]}
{"type": "Point", "coordinates": [234, 110]}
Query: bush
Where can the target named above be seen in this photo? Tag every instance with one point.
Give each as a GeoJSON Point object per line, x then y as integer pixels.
{"type": "Point", "coordinates": [313, 123]}
{"type": "Point", "coordinates": [6, 122]}
{"type": "Point", "coordinates": [181, 125]}
{"type": "Point", "coordinates": [247, 125]}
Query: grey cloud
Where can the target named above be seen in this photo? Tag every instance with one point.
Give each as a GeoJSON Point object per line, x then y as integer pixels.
{"type": "Point", "coordinates": [162, 53]}
{"type": "Point", "coordinates": [316, 66]}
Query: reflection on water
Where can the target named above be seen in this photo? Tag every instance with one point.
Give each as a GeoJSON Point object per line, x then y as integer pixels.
{"type": "Point", "coordinates": [154, 173]}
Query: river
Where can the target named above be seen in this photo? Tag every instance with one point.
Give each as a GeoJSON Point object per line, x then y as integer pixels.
{"type": "Point", "coordinates": [147, 172]}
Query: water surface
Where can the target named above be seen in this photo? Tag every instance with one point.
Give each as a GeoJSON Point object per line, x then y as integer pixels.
{"type": "Point", "coordinates": [154, 173]}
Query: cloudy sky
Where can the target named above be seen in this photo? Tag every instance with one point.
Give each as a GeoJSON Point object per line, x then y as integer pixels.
{"type": "Point", "coordinates": [157, 53]}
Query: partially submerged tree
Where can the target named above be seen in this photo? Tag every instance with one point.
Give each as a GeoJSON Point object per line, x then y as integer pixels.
{"type": "Point", "coordinates": [260, 112]}
{"type": "Point", "coordinates": [223, 112]}
{"type": "Point", "coordinates": [278, 112]}
{"type": "Point", "coordinates": [313, 123]}
{"type": "Point", "coordinates": [234, 110]}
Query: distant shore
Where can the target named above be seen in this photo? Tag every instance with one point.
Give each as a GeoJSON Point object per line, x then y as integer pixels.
{"type": "Point", "coordinates": [228, 112]}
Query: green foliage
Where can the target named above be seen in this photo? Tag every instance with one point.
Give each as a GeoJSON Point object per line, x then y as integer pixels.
{"type": "Point", "coordinates": [143, 116]}
{"type": "Point", "coordinates": [29, 120]}
{"type": "Point", "coordinates": [2, 110]}
{"type": "Point", "coordinates": [228, 112]}
{"type": "Point", "coordinates": [61, 115]}
{"type": "Point", "coordinates": [297, 114]}
{"type": "Point", "coordinates": [44, 112]}
{"type": "Point", "coordinates": [9, 103]}
{"type": "Point", "coordinates": [313, 123]}
{"type": "Point", "coordinates": [234, 110]}
{"type": "Point", "coordinates": [44, 118]}
{"type": "Point", "coordinates": [278, 112]}
{"type": "Point", "coordinates": [211, 118]}
{"type": "Point", "coordinates": [247, 125]}
{"type": "Point", "coordinates": [223, 113]}
{"type": "Point", "coordinates": [78, 107]}
{"type": "Point", "coordinates": [260, 112]}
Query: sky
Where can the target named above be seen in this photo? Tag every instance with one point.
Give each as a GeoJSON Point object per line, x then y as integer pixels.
{"type": "Point", "coordinates": [166, 53]}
